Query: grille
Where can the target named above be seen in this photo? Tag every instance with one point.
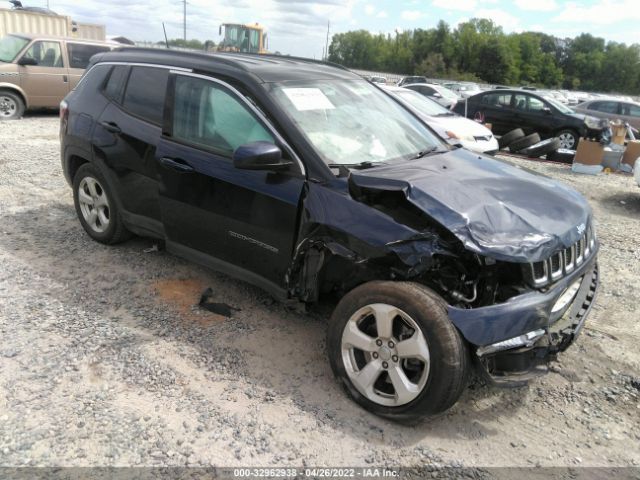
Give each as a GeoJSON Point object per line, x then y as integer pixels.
{"type": "Point", "coordinates": [561, 263]}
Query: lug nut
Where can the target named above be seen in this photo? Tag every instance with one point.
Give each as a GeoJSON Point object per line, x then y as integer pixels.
{"type": "Point", "coordinates": [385, 364]}
{"type": "Point", "coordinates": [391, 345]}
{"type": "Point", "coordinates": [375, 354]}
{"type": "Point", "coordinates": [394, 358]}
{"type": "Point", "coordinates": [379, 342]}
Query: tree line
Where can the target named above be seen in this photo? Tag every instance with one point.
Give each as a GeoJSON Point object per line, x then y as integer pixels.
{"type": "Point", "coordinates": [479, 50]}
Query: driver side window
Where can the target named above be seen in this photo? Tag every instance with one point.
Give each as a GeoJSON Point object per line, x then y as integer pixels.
{"type": "Point", "coordinates": [46, 54]}
{"type": "Point", "coordinates": [209, 115]}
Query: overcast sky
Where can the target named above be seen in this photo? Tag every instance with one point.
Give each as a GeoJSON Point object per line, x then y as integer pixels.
{"type": "Point", "coordinates": [299, 27]}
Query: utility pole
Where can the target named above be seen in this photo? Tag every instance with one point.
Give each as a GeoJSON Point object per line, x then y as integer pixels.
{"type": "Point", "coordinates": [326, 46]}
{"type": "Point", "coordinates": [184, 20]}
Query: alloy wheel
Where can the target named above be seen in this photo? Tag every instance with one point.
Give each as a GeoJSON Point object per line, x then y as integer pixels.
{"type": "Point", "coordinates": [94, 204]}
{"type": "Point", "coordinates": [385, 355]}
{"type": "Point", "coordinates": [567, 141]}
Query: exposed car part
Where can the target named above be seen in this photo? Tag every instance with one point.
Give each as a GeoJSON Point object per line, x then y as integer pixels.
{"type": "Point", "coordinates": [395, 350]}
{"type": "Point", "coordinates": [11, 105]}
{"type": "Point", "coordinates": [525, 142]}
{"type": "Point", "coordinates": [96, 209]}
{"type": "Point", "coordinates": [541, 148]}
{"type": "Point", "coordinates": [568, 139]}
{"type": "Point", "coordinates": [505, 140]}
{"type": "Point", "coordinates": [562, 155]}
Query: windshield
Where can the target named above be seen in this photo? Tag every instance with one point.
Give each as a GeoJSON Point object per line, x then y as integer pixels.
{"type": "Point", "coordinates": [446, 93]}
{"type": "Point", "coordinates": [559, 106]}
{"type": "Point", "coordinates": [351, 121]}
{"type": "Point", "coordinates": [421, 103]}
{"type": "Point", "coordinates": [10, 46]}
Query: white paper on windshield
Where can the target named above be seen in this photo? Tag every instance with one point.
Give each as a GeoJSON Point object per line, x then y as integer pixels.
{"type": "Point", "coordinates": [308, 99]}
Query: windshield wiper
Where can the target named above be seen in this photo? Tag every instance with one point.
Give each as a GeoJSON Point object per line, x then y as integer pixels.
{"type": "Point", "coordinates": [428, 151]}
{"type": "Point", "coordinates": [361, 165]}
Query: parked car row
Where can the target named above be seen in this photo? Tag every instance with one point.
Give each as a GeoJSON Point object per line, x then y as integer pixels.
{"type": "Point", "coordinates": [312, 183]}
{"type": "Point", "coordinates": [507, 110]}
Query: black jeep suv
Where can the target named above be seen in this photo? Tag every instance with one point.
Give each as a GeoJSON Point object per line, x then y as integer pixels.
{"type": "Point", "coordinates": [308, 181]}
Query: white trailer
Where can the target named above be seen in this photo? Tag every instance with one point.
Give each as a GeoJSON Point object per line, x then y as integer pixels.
{"type": "Point", "coordinates": [35, 23]}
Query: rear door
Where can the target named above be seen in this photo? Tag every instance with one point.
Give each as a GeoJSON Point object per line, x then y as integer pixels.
{"type": "Point", "coordinates": [630, 113]}
{"type": "Point", "coordinates": [495, 108]}
{"type": "Point", "coordinates": [245, 219]}
{"type": "Point", "coordinates": [126, 137]}
{"type": "Point", "coordinates": [47, 82]}
{"type": "Point", "coordinates": [79, 55]}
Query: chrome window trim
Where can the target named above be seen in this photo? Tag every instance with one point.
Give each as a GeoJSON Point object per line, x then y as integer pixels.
{"type": "Point", "coordinates": [251, 107]}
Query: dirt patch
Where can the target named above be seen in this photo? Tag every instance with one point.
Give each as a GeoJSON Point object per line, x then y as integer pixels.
{"type": "Point", "coordinates": [182, 295]}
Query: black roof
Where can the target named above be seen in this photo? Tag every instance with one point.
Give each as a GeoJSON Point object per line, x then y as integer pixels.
{"type": "Point", "coordinates": [262, 67]}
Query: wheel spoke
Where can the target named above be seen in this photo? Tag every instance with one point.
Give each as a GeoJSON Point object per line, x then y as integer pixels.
{"type": "Point", "coordinates": [84, 198]}
{"type": "Point", "coordinates": [384, 315]}
{"type": "Point", "coordinates": [357, 338]}
{"type": "Point", "coordinates": [104, 220]}
{"type": "Point", "coordinates": [366, 378]}
{"type": "Point", "coordinates": [91, 184]}
{"type": "Point", "coordinates": [92, 217]}
{"type": "Point", "coordinates": [414, 347]}
{"type": "Point", "coordinates": [101, 200]}
{"type": "Point", "coordinates": [405, 389]}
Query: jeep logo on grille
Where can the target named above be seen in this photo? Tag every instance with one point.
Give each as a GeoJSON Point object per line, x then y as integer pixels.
{"type": "Point", "coordinates": [581, 228]}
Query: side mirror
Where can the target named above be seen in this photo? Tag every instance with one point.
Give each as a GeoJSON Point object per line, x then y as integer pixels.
{"type": "Point", "coordinates": [437, 95]}
{"type": "Point", "coordinates": [26, 61]}
{"type": "Point", "coordinates": [259, 156]}
{"type": "Point", "coordinates": [547, 110]}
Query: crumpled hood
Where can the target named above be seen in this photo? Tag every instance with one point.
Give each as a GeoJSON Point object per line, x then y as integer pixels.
{"type": "Point", "coordinates": [495, 209]}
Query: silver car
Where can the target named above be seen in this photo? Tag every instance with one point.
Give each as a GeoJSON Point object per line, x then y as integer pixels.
{"type": "Point", "coordinates": [612, 109]}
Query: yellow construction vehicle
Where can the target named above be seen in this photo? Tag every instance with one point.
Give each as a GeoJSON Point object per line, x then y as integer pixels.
{"type": "Point", "coordinates": [249, 38]}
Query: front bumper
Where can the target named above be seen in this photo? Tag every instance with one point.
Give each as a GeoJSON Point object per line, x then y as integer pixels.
{"type": "Point", "coordinates": [530, 312]}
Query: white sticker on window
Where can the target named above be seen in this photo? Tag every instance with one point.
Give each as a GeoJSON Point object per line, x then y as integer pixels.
{"type": "Point", "coordinates": [308, 99]}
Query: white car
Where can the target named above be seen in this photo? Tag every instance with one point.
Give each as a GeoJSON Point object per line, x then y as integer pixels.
{"type": "Point", "coordinates": [450, 126]}
{"type": "Point", "coordinates": [437, 93]}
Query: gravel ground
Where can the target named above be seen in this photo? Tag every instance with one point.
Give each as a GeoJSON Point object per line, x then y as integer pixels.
{"type": "Point", "coordinates": [105, 360]}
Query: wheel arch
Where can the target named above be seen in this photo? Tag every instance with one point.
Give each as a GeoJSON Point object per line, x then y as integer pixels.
{"type": "Point", "coordinates": [13, 88]}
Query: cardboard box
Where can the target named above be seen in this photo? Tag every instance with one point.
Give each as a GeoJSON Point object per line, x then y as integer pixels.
{"type": "Point", "coordinates": [619, 133]}
{"type": "Point", "coordinates": [632, 152]}
{"type": "Point", "coordinates": [589, 152]}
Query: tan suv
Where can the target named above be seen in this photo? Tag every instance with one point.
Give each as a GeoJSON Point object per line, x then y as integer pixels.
{"type": "Point", "coordinates": [38, 72]}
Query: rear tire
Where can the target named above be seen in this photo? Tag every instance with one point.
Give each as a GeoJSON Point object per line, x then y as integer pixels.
{"type": "Point", "coordinates": [96, 206]}
{"type": "Point", "coordinates": [405, 326]}
{"type": "Point", "coordinates": [524, 142]}
{"type": "Point", "coordinates": [542, 148]}
{"type": "Point", "coordinates": [11, 105]}
{"type": "Point", "coordinates": [510, 137]}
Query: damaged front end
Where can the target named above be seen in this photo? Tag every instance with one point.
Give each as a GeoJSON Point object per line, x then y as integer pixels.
{"type": "Point", "coordinates": [514, 256]}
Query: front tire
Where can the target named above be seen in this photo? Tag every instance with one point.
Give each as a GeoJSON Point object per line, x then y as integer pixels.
{"type": "Point", "coordinates": [11, 106]}
{"type": "Point", "coordinates": [394, 349]}
{"type": "Point", "coordinates": [96, 206]}
{"type": "Point", "coordinates": [568, 139]}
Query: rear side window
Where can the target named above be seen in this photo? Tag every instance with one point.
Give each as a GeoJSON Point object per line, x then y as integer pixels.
{"type": "Point", "coordinates": [606, 107]}
{"type": "Point", "coordinates": [80, 54]}
{"type": "Point", "coordinates": [630, 110]}
{"type": "Point", "coordinates": [115, 83]}
{"type": "Point", "coordinates": [46, 54]}
{"type": "Point", "coordinates": [497, 99]}
{"type": "Point", "coordinates": [207, 114]}
{"type": "Point", "coordinates": [145, 93]}
{"type": "Point", "coordinates": [93, 78]}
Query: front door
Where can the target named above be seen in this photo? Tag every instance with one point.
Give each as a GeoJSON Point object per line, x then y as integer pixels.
{"type": "Point", "coordinates": [244, 219]}
{"type": "Point", "coordinates": [47, 82]}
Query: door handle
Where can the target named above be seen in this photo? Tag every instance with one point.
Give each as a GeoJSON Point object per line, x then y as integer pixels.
{"type": "Point", "coordinates": [176, 164]}
{"type": "Point", "coordinates": [65, 79]}
{"type": "Point", "coordinates": [111, 127]}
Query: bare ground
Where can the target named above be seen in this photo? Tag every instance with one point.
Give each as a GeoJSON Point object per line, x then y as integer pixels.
{"type": "Point", "coordinates": [106, 360]}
